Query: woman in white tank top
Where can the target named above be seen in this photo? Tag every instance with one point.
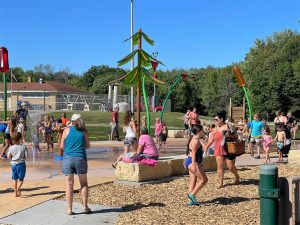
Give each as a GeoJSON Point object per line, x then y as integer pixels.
{"type": "Point", "coordinates": [130, 129]}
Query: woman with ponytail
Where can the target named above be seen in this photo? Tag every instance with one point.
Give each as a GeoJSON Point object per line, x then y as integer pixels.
{"type": "Point", "coordinates": [193, 164]}
{"type": "Point", "coordinates": [219, 151]}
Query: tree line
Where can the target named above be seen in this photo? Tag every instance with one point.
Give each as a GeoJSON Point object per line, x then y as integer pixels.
{"type": "Point", "coordinates": [271, 69]}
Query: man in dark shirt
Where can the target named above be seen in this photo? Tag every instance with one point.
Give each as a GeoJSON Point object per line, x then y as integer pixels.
{"type": "Point", "coordinates": [115, 124]}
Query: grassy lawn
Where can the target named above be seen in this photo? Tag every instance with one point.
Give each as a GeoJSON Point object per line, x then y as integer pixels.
{"type": "Point", "coordinates": [98, 122]}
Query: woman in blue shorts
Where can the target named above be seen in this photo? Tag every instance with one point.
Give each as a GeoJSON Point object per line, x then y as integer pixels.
{"type": "Point", "coordinates": [193, 164]}
{"type": "Point", "coordinates": [75, 141]}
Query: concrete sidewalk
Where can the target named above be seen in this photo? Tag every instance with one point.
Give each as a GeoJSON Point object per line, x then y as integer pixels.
{"type": "Point", "coordinates": [53, 213]}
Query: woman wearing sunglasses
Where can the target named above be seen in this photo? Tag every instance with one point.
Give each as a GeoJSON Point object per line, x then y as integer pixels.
{"type": "Point", "coordinates": [219, 150]}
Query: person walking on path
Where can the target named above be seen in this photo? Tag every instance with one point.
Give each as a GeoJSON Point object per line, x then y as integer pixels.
{"type": "Point", "coordinates": [280, 119]}
{"type": "Point", "coordinates": [18, 153]}
{"type": "Point", "coordinates": [256, 132]}
{"type": "Point", "coordinates": [9, 131]}
{"type": "Point", "coordinates": [292, 124]}
{"type": "Point", "coordinates": [74, 142]}
{"type": "Point", "coordinates": [280, 139]}
{"type": "Point", "coordinates": [219, 150]}
{"type": "Point", "coordinates": [115, 124]}
{"type": "Point", "coordinates": [266, 142]}
{"type": "Point", "coordinates": [193, 164]}
{"type": "Point", "coordinates": [186, 123]}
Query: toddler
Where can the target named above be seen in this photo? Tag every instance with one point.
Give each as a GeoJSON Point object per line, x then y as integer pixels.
{"type": "Point", "coordinates": [267, 141]}
{"type": "Point", "coordinates": [280, 141]}
{"type": "Point", "coordinates": [18, 153]}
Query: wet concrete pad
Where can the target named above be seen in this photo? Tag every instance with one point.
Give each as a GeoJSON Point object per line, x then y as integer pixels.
{"type": "Point", "coordinates": [53, 213]}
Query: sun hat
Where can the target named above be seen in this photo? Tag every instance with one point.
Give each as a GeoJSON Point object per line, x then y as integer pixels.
{"type": "Point", "coordinates": [75, 117]}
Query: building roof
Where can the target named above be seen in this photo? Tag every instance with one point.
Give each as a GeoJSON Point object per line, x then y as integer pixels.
{"type": "Point", "coordinates": [50, 86]}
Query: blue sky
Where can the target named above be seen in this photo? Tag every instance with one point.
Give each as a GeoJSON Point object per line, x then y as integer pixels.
{"type": "Point", "coordinates": [77, 34]}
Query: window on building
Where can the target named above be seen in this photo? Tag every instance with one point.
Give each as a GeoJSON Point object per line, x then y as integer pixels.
{"type": "Point", "coordinates": [35, 95]}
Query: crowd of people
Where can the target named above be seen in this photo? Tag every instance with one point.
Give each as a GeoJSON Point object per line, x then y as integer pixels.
{"type": "Point", "coordinates": [211, 139]}
{"type": "Point", "coordinates": [73, 140]}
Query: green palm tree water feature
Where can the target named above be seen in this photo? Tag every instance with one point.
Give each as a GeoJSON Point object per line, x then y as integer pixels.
{"type": "Point", "coordinates": [180, 77]}
{"type": "Point", "coordinates": [242, 83]}
{"type": "Point", "coordinates": [139, 74]}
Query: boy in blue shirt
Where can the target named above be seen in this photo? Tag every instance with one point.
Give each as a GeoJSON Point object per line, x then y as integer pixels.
{"type": "Point", "coordinates": [256, 132]}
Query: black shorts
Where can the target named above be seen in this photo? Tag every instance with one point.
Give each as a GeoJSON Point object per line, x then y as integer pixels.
{"type": "Point", "coordinates": [186, 126]}
{"type": "Point", "coordinates": [230, 156]}
{"type": "Point", "coordinates": [7, 136]}
{"type": "Point", "coordinates": [163, 137]}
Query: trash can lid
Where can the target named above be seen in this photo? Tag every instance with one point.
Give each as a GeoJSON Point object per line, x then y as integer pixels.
{"type": "Point", "coordinates": [268, 169]}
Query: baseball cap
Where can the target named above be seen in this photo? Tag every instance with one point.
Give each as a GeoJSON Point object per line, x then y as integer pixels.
{"type": "Point", "coordinates": [75, 117]}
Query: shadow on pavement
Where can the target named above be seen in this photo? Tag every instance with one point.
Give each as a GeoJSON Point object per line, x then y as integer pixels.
{"type": "Point", "coordinates": [229, 200]}
{"type": "Point", "coordinates": [138, 205]}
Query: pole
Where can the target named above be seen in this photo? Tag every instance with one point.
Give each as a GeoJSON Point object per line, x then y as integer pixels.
{"type": "Point", "coordinates": [44, 101]}
{"type": "Point", "coordinates": [132, 61]}
{"type": "Point", "coordinates": [11, 95]}
{"type": "Point", "coordinates": [138, 88]}
{"type": "Point", "coordinates": [4, 96]}
{"type": "Point", "coordinates": [168, 95]}
{"type": "Point", "coordinates": [248, 102]}
{"type": "Point", "coordinates": [269, 194]}
{"type": "Point", "coordinates": [146, 104]}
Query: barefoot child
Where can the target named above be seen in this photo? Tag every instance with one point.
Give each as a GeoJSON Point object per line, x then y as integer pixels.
{"type": "Point", "coordinates": [18, 153]}
{"type": "Point", "coordinates": [267, 141]}
{"type": "Point", "coordinates": [280, 141]}
{"type": "Point", "coordinates": [164, 133]}
{"type": "Point", "coordinates": [158, 127]}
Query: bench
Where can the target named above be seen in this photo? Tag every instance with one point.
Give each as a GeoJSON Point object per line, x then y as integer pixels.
{"type": "Point", "coordinates": [166, 167]}
{"type": "Point", "coordinates": [176, 133]}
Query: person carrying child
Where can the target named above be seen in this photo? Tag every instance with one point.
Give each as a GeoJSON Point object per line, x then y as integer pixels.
{"type": "Point", "coordinates": [266, 142]}
{"type": "Point", "coordinates": [280, 139]}
{"type": "Point", "coordinates": [18, 153]}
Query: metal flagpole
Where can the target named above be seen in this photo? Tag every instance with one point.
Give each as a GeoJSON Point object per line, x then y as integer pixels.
{"type": "Point", "coordinates": [132, 61]}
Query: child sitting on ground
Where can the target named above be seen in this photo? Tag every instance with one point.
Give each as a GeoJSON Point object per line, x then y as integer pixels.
{"type": "Point", "coordinates": [280, 141]}
{"type": "Point", "coordinates": [18, 153]}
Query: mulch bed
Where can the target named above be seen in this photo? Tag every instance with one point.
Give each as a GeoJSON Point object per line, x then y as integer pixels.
{"type": "Point", "coordinates": [165, 203]}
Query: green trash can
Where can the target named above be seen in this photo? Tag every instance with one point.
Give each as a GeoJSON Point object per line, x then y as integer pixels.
{"type": "Point", "coordinates": [269, 194]}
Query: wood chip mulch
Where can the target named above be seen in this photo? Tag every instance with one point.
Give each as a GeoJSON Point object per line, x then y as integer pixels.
{"type": "Point", "coordinates": [166, 203]}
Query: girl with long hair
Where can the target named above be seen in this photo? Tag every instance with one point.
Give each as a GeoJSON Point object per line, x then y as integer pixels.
{"type": "Point", "coordinates": [193, 164]}
{"type": "Point", "coordinates": [219, 150]}
{"type": "Point", "coordinates": [130, 129]}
